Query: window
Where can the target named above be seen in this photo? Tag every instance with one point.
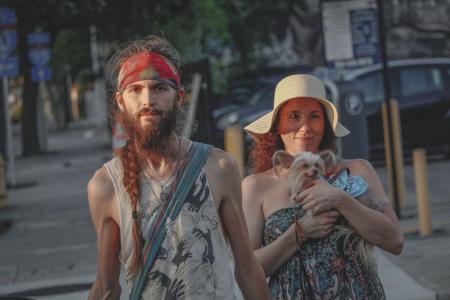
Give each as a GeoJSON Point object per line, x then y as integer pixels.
{"type": "Point", "coordinates": [419, 80]}
{"type": "Point", "coordinates": [372, 86]}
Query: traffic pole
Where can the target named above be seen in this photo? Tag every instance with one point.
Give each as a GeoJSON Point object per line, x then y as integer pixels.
{"type": "Point", "coordinates": [234, 144]}
{"type": "Point", "coordinates": [3, 194]}
{"type": "Point", "coordinates": [11, 170]}
{"type": "Point", "coordinates": [387, 99]}
{"type": "Point", "coordinates": [421, 177]}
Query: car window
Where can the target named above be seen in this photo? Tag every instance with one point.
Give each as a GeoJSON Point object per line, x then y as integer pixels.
{"type": "Point", "coordinates": [372, 86]}
{"type": "Point", "coordinates": [419, 80]}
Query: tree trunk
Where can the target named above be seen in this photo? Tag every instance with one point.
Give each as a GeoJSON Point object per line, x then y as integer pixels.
{"type": "Point", "coordinates": [30, 134]}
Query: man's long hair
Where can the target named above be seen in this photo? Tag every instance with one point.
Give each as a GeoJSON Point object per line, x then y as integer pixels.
{"type": "Point", "coordinates": [262, 151]}
{"type": "Point", "coordinates": [129, 154]}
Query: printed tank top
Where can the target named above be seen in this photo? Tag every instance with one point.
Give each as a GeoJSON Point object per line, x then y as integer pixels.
{"type": "Point", "coordinates": [194, 260]}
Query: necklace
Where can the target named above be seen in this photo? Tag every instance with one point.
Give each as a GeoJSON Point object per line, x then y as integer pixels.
{"type": "Point", "coordinates": [166, 192]}
{"type": "Point", "coordinates": [164, 187]}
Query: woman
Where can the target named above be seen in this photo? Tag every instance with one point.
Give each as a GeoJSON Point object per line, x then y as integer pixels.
{"type": "Point", "coordinates": [305, 259]}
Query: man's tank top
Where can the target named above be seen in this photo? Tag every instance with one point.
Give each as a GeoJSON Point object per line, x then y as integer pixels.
{"type": "Point", "coordinates": [194, 261]}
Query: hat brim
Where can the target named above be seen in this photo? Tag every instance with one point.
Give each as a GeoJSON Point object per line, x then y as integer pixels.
{"type": "Point", "coordinates": [263, 124]}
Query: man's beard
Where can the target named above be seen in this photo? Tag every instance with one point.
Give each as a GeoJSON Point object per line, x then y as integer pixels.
{"type": "Point", "coordinates": [154, 137]}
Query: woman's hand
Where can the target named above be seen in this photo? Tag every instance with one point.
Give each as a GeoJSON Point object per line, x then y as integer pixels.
{"type": "Point", "coordinates": [320, 197]}
{"type": "Point", "coordinates": [318, 226]}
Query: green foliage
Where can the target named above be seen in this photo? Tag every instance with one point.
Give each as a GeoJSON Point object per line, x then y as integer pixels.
{"type": "Point", "coordinates": [71, 52]}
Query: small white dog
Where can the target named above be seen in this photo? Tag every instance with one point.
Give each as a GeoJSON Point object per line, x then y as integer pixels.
{"type": "Point", "coordinates": [302, 169]}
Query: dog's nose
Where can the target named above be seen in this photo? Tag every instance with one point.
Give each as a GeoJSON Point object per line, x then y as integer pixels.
{"type": "Point", "coordinates": [312, 173]}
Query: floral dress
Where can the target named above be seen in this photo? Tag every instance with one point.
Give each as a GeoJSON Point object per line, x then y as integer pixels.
{"type": "Point", "coordinates": [324, 268]}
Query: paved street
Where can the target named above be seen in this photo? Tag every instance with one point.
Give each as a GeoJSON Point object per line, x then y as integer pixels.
{"type": "Point", "coordinates": [47, 242]}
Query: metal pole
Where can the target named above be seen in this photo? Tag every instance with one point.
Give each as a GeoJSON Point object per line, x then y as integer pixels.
{"type": "Point", "coordinates": [9, 137]}
{"type": "Point", "coordinates": [234, 144]}
{"type": "Point", "coordinates": [423, 204]}
{"type": "Point", "coordinates": [94, 50]}
{"type": "Point", "coordinates": [190, 117]}
{"type": "Point", "coordinates": [387, 99]}
{"type": "Point", "coordinates": [41, 119]}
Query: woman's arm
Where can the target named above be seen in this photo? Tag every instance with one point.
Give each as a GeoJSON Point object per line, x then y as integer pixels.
{"type": "Point", "coordinates": [372, 217]}
{"type": "Point", "coordinates": [274, 255]}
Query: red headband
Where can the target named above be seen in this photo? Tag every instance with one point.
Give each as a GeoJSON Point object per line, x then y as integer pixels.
{"type": "Point", "coordinates": [147, 65]}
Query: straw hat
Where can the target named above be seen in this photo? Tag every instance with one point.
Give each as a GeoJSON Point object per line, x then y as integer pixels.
{"type": "Point", "coordinates": [296, 86]}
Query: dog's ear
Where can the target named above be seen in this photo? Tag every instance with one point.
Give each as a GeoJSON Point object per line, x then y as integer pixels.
{"type": "Point", "coordinates": [330, 160]}
{"type": "Point", "coordinates": [281, 160]}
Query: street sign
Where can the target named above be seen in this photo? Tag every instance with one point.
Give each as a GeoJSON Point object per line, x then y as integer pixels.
{"type": "Point", "coordinates": [9, 67]}
{"type": "Point", "coordinates": [8, 41]}
{"type": "Point", "coordinates": [41, 73]}
{"type": "Point", "coordinates": [39, 55]}
{"type": "Point", "coordinates": [350, 33]}
{"type": "Point", "coordinates": [7, 17]}
{"type": "Point", "coordinates": [38, 38]}
{"type": "Point", "coordinates": [365, 33]}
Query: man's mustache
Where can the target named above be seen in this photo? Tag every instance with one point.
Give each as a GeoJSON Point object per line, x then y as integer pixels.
{"type": "Point", "coordinates": [146, 111]}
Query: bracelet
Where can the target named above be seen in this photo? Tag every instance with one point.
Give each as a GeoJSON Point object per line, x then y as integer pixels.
{"type": "Point", "coordinates": [300, 236]}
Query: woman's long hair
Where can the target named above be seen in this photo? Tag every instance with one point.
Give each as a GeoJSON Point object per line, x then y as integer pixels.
{"type": "Point", "coordinates": [263, 149]}
{"type": "Point", "coordinates": [128, 154]}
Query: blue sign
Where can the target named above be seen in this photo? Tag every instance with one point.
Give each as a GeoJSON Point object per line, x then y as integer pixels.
{"type": "Point", "coordinates": [9, 67]}
{"type": "Point", "coordinates": [7, 17]}
{"type": "Point", "coordinates": [39, 56]}
{"type": "Point", "coordinates": [8, 42]}
{"type": "Point", "coordinates": [365, 34]}
{"type": "Point", "coordinates": [43, 73]}
{"type": "Point", "coordinates": [38, 38]}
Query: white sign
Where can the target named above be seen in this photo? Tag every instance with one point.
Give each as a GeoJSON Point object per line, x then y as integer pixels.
{"type": "Point", "coordinates": [350, 33]}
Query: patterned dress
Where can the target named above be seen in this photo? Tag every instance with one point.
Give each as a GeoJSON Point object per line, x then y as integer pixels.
{"type": "Point", "coordinates": [322, 268]}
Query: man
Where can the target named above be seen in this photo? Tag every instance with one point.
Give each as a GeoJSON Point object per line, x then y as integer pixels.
{"type": "Point", "coordinates": [126, 195]}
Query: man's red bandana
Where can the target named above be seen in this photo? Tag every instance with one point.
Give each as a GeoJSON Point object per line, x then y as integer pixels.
{"type": "Point", "coordinates": [147, 65]}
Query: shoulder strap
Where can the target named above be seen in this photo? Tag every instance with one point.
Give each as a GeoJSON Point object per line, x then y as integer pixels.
{"type": "Point", "coordinates": [195, 160]}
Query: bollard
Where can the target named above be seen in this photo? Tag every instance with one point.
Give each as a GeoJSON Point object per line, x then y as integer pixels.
{"type": "Point", "coordinates": [398, 153]}
{"type": "Point", "coordinates": [423, 207]}
{"type": "Point", "coordinates": [3, 195]}
{"type": "Point", "coordinates": [234, 145]}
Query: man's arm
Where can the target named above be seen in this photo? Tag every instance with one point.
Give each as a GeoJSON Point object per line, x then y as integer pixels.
{"type": "Point", "coordinates": [100, 192]}
{"type": "Point", "coordinates": [248, 272]}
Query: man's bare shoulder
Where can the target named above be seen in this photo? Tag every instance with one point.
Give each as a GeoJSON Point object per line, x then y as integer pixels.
{"type": "Point", "coordinates": [100, 187]}
{"type": "Point", "coordinates": [221, 162]}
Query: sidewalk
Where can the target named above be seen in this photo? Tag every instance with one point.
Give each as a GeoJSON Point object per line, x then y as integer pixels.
{"type": "Point", "coordinates": [49, 249]}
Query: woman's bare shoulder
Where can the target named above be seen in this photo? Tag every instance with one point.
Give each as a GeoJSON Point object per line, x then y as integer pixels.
{"type": "Point", "coordinates": [259, 182]}
{"type": "Point", "coordinates": [357, 166]}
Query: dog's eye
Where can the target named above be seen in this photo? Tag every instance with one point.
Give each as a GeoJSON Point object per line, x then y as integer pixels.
{"type": "Point", "coordinates": [305, 166]}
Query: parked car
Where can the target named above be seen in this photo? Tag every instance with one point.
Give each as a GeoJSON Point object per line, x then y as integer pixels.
{"type": "Point", "coordinates": [422, 89]}
{"type": "Point", "coordinates": [247, 104]}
